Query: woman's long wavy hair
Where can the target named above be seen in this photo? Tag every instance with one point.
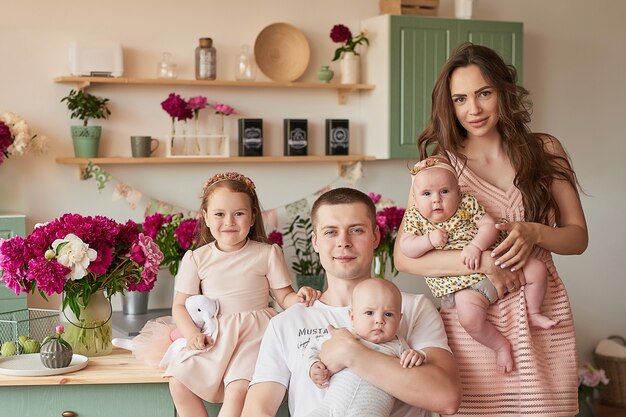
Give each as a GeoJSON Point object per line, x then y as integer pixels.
{"type": "Point", "coordinates": [536, 166]}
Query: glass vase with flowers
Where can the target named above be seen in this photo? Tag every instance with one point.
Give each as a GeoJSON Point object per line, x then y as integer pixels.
{"type": "Point", "coordinates": [88, 260]}
{"type": "Point", "coordinates": [388, 219]}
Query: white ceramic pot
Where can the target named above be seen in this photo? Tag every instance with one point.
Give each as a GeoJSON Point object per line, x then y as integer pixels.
{"type": "Point", "coordinates": [350, 67]}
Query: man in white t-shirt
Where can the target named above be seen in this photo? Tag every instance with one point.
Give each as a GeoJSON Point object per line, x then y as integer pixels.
{"type": "Point", "coordinates": [345, 235]}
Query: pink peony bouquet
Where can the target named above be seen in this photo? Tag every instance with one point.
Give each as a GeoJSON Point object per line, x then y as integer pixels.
{"type": "Point", "coordinates": [388, 217]}
{"type": "Point", "coordinates": [174, 234]}
{"type": "Point", "coordinates": [341, 34]}
{"type": "Point", "coordinates": [79, 255]}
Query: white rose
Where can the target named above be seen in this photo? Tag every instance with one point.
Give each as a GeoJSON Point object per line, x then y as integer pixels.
{"type": "Point", "coordinates": [74, 254]}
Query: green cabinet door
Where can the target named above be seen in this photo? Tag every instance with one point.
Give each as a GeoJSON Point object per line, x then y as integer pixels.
{"type": "Point", "coordinates": [415, 48]}
{"type": "Point", "coordinates": [137, 400]}
{"type": "Point", "coordinates": [419, 47]}
{"type": "Point", "coordinates": [11, 225]}
{"type": "Point", "coordinates": [506, 38]}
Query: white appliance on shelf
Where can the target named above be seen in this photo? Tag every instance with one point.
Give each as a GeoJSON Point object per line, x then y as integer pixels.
{"type": "Point", "coordinates": [96, 58]}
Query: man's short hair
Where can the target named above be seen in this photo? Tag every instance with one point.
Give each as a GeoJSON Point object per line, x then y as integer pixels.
{"type": "Point", "coordinates": [344, 195]}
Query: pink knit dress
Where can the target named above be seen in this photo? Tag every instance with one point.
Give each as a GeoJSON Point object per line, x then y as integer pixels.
{"type": "Point", "coordinates": [544, 382]}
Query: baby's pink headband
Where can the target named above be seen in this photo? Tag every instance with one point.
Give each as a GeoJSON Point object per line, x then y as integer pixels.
{"type": "Point", "coordinates": [429, 163]}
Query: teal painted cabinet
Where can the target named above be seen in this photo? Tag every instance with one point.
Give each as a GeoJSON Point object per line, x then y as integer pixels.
{"type": "Point", "coordinates": [11, 225]}
{"type": "Point", "coordinates": [403, 61]}
{"type": "Point", "coordinates": [140, 400]}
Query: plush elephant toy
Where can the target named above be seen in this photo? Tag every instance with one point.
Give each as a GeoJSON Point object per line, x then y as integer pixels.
{"type": "Point", "coordinates": [203, 311]}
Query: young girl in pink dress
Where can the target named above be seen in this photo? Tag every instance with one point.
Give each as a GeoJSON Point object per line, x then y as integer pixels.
{"type": "Point", "coordinates": [480, 122]}
{"type": "Point", "coordinates": [238, 268]}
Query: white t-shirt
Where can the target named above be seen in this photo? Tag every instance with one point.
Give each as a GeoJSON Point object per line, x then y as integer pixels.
{"type": "Point", "coordinates": [281, 357]}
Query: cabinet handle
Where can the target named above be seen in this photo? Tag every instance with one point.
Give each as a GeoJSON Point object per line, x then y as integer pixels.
{"type": "Point", "coordinates": [69, 414]}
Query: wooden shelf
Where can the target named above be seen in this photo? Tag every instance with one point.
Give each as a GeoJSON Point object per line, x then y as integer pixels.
{"type": "Point", "coordinates": [342, 161]}
{"type": "Point", "coordinates": [123, 160]}
{"type": "Point", "coordinates": [341, 89]}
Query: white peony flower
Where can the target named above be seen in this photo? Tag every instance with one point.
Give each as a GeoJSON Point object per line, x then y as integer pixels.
{"type": "Point", "coordinates": [74, 254]}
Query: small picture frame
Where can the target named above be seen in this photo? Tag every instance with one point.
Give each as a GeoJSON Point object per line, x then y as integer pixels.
{"type": "Point", "coordinates": [337, 136]}
{"type": "Point", "coordinates": [250, 137]}
{"type": "Point", "coordinates": [296, 137]}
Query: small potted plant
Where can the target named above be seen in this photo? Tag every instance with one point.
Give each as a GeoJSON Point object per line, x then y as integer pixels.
{"type": "Point", "coordinates": [84, 106]}
{"type": "Point", "coordinates": [307, 266]}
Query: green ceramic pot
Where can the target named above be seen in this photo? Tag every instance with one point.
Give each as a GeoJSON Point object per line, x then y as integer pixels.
{"type": "Point", "coordinates": [325, 74]}
{"type": "Point", "coordinates": [86, 141]}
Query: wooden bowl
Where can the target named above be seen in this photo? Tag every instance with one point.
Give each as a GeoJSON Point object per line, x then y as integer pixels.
{"type": "Point", "coordinates": [282, 52]}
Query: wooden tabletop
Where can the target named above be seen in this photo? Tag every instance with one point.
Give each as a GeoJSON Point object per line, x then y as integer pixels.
{"type": "Point", "coordinates": [120, 367]}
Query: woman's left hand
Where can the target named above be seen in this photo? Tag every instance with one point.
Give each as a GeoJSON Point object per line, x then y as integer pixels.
{"type": "Point", "coordinates": [513, 252]}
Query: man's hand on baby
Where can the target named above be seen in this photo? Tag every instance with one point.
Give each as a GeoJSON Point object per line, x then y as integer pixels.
{"type": "Point", "coordinates": [308, 295]}
{"type": "Point", "coordinates": [319, 374]}
{"type": "Point", "coordinates": [471, 256]}
{"type": "Point", "coordinates": [411, 358]}
{"type": "Point", "coordinates": [438, 238]}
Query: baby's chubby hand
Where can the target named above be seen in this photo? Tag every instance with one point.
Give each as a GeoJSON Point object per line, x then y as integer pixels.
{"type": "Point", "coordinates": [308, 295]}
{"type": "Point", "coordinates": [411, 358]}
{"type": "Point", "coordinates": [471, 256]}
{"type": "Point", "coordinates": [438, 238]}
{"type": "Point", "coordinates": [319, 374]}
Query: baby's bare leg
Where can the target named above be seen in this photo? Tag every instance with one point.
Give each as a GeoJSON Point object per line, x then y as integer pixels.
{"type": "Point", "coordinates": [536, 276]}
{"type": "Point", "coordinates": [472, 310]}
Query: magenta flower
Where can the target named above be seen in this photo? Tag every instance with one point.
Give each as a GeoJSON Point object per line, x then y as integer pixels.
{"type": "Point", "coordinates": [176, 107]}
{"type": "Point", "coordinates": [375, 197]}
{"type": "Point", "coordinates": [197, 103]}
{"type": "Point", "coordinates": [185, 233]}
{"type": "Point", "coordinates": [223, 109]}
{"type": "Point", "coordinates": [275, 238]}
{"type": "Point", "coordinates": [5, 140]}
{"type": "Point", "coordinates": [340, 34]}
{"type": "Point", "coordinates": [152, 224]}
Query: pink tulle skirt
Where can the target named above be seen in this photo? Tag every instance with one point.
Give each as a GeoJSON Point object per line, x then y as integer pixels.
{"type": "Point", "coordinates": [153, 340]}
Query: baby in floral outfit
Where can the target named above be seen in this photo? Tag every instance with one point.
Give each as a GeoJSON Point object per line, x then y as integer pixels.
{"type": "Point", "coordinates": [444, 218]}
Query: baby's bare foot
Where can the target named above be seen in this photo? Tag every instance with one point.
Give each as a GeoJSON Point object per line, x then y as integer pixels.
{"type": "Point", "coordinates": [504, 360]}
{"type": "Point", "coordinates": [541, 321]}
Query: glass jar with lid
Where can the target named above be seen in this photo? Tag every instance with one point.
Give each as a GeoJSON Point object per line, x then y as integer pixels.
{"type": "Point", "coordinates": [205, 60]}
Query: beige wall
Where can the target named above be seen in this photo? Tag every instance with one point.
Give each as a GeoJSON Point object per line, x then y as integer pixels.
{"type": "Point", "coordinates": [573, 67]}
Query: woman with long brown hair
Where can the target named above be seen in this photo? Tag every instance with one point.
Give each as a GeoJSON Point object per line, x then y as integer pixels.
{"type": "Point", "coordinates": [480, 122]}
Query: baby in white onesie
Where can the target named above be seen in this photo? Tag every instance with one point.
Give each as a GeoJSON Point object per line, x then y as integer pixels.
{"type": "Point", "coordinates": [375, 313]}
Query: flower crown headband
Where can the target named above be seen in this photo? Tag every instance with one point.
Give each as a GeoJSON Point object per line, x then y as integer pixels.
{"type": "Point", "coordinates": [229, 176]}
{"type": "Point", "coordinates": [430, 163]}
